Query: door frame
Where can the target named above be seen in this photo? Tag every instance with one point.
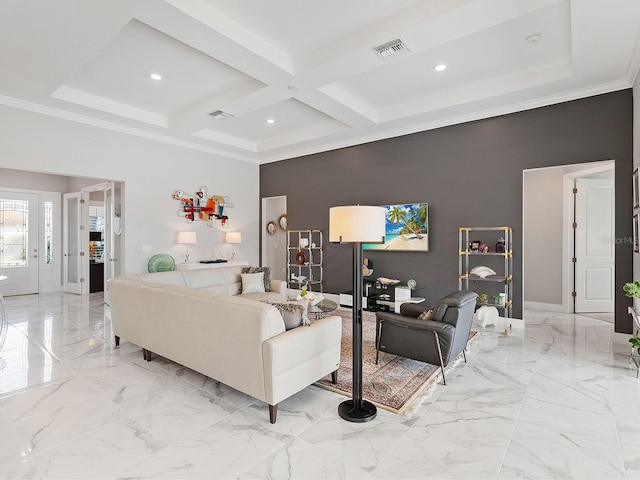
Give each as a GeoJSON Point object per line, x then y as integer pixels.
{"type": "Point", "coordinates": [568, 232]}
{"type": "Point", "coordinates": [114, 242]}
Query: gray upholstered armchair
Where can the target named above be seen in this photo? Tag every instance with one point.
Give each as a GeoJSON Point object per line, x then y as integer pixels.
{"type": "Point", "coordinates": [437, 340]}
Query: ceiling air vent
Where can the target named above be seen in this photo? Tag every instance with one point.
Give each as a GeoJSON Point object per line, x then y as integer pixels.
{"type": "Point", "coordinates": [392, 49]}
{"type": "Point", "coordinates": [220, 115]}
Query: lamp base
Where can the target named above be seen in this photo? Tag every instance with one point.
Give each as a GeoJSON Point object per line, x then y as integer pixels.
{"type": "Point", "coordinates": [349, 412]}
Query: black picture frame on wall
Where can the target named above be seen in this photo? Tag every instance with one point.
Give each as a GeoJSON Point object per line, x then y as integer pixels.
{"type": "Point", "coordinates": [636, 189]}
{"type": "Point", "coordinates": [636, 241]}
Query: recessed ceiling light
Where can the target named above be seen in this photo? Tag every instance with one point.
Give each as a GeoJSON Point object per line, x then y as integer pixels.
{"type": "Point", "coordinates": [534, 37]}
{"type": "Point", "coordinates": [440, 67]}
{"type": "Point", "coordinates": [155, 76]}
{"type": "Point", "coordinates": [270, 120]}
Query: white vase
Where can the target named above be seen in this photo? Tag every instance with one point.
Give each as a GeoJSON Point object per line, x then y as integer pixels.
{"type": "Point", "coordinates": [636, 304]}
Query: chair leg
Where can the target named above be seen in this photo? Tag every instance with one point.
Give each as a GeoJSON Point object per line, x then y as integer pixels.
{"type": "Point", "coordinates": [334, 377]}
{"type": "Point", "coordinates": [273, 411]}
{"type": "Point", "coordinates": [444, 380]}
{"type": "Point", "coordinates": [378, 340]}
{"type": "Point", "coordinates": [464, 355]}
{"type": "Point", "coordinates": [117, 339]}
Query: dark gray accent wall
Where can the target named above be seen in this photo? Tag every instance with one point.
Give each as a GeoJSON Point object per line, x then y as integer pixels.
{"type": "Point", "coordinates": [471, 175]}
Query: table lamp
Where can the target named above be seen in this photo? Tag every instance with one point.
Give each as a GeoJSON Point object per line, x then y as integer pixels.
{"type": "Point", "coordinates": [187, 238]}
{"type": "Point", "coordinates": [357, 224]}
{"type": "Point", "coordinates": [233, 238]}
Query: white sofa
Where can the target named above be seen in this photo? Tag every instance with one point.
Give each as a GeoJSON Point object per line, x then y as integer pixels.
{"type": "Point", "coordinates": [199, 319]}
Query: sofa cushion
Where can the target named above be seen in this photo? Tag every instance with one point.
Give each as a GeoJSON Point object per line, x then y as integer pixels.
{"type": "Point", "coordinates": [252, 283]}
{"type": "Point", "coordinates": [267, 275]}
{"type": "Point", "coordinates": [293, 313]}
{"type": "Point", "coordinates": [264, 297]}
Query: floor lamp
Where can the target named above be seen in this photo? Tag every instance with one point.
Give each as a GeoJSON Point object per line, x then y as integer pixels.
{"type": "Point", "coordinates": [357, 224]}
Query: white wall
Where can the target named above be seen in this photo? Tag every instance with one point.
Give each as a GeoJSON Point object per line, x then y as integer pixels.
{"type": "Point", "coordinates": [150, 170]}
{"type": "Point", "coordinates": [542, 235]}
{"type": "Point", "coordinates": [33, 181]}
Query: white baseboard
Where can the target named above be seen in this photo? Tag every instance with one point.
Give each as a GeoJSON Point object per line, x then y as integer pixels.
{"type": "Point", "coordinates": [547, 307]}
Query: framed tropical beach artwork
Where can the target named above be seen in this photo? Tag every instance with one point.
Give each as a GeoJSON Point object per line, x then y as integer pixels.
{"type": "Point", "coordinates": [406, 228]}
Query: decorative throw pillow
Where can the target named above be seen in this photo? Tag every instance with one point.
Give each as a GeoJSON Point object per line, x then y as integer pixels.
{"type": "Point", "coordinates": [252, 282]}
{"type": "Point", "coordinates": [294, 314]}
{"type": "Point", "coordinates": [426, 315]}
{"type": "Point", "coordinates": [267, 275]}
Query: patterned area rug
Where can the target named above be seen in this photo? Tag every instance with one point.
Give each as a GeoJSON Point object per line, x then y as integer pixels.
{"type": "Point", "coordinates": [394, 384]}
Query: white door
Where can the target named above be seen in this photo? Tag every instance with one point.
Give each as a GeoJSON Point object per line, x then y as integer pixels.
{"type": "Point", "coordinates": [111, 227]}
{"type": "Point", "coordinates": [595, 244]}
{"type": "Point", "coordinates": [75, 243]}
{"type": "Point", "coordinates": [19, 242]}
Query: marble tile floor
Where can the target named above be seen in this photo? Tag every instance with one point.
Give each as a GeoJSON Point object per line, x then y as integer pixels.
{"type": "Point", "coordinates": [553, 400]}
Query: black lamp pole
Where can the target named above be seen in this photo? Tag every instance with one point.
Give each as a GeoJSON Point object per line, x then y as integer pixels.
{"type": "Point", "coordinates": [357, 409]}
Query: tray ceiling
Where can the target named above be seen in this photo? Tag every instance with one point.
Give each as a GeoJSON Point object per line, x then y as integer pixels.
{"type": "Point", "coordinates": [290, 78]}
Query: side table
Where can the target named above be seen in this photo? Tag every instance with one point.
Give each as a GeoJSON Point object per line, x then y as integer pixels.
{"type": "Point", "coordinates": [323, 307]}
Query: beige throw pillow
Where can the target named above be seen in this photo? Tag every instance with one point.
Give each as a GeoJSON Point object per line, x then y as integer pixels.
{"type": "Point", "coordinates": [252, 282]}
{"type": "Point", "coordinates": [267, 275]}
{"type": "Point", "coordinates": [425, 315]}
{"type": "Point", "coordinates": [294, 314]}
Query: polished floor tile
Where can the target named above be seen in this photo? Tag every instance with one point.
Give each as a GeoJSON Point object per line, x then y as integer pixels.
{"type": "Point", "coordinates": [556, 399]}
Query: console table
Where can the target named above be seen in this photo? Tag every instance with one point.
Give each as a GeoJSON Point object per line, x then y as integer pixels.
{"type": "Point", "coordinates": [198, 265]}
{"type": "Point", "coordinates": [392, 296]}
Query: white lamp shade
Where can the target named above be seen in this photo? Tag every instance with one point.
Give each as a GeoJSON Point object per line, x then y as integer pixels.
{"type": "Point", "coordinates": [187, 238]}
{"type": "Point", "coordinates": [233, 237]}
{"type": "Point", "coordinates": [357, 223]}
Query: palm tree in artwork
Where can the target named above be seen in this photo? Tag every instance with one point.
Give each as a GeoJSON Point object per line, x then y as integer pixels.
{"type": "Point", "coordinates": [396, 215]}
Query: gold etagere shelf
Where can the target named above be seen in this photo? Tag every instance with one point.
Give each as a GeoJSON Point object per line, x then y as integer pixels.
{"type": "Point", "coordinates": [468, 258]}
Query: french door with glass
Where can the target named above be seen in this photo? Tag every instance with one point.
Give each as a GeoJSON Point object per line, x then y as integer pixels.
{"type": "Point", "coordinates": [19, 242]}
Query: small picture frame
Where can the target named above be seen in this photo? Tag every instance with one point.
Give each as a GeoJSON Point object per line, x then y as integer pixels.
{"type": "Point", "coordinates": [636, 189]}
{"type": "Point", "coordinates": [636, 243]}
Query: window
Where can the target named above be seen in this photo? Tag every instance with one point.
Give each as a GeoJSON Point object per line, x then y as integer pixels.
{"type": "Point", "coordinates": [14, 233]}
{"type": "Point", "coordinates": [48, 233]}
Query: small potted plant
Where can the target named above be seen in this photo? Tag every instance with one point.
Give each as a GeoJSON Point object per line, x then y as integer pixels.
{"type": "Point", "coordinates": [632, 289]}
{"type": "Point", "coordinates": [635, 341]}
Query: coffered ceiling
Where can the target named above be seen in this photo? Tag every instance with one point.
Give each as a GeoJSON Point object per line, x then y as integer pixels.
{"type": "Point", "coordinates": [311, 68]}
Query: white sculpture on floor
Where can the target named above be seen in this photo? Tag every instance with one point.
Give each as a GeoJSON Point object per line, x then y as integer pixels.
{"type": "Point", "coordinates": [486, 315]}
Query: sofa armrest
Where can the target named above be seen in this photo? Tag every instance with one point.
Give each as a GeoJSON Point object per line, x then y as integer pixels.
{"type": "Point", "coordinates": [296, 358]}
{"type": "Point", "coordinates": [279, 286]}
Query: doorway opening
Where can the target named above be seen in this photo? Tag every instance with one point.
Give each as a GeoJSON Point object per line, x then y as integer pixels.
{"type": "Point", "coordinates": [92, 240]}
{"type": "Point", "coordinates": [569, 238]}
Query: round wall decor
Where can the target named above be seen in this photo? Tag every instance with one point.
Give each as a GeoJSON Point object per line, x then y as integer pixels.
{"type": "Point", "coordinates": [282, 221]}
{"type": "Point", "coordinates": [272, 228]}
